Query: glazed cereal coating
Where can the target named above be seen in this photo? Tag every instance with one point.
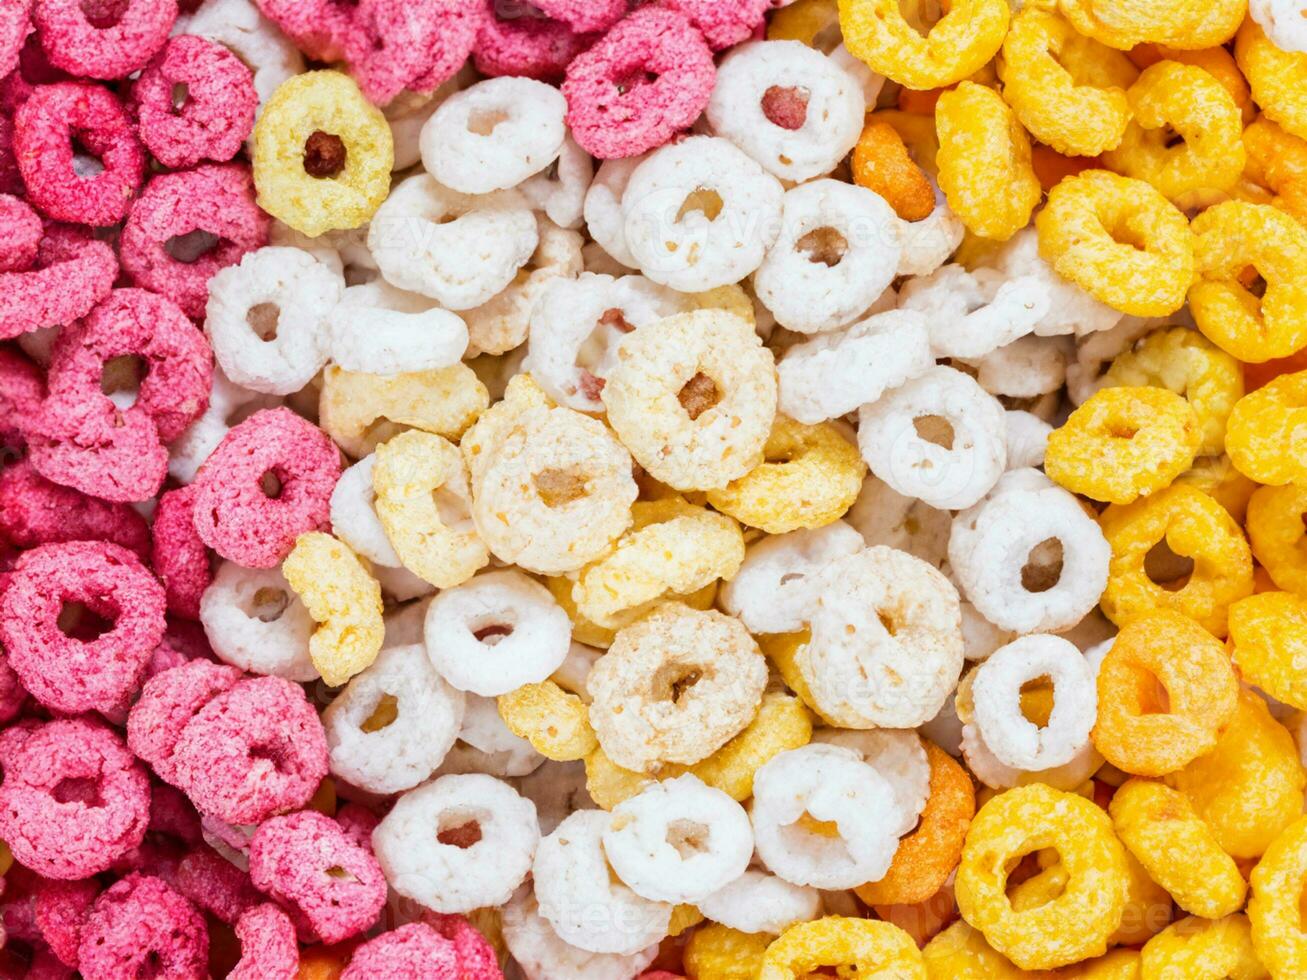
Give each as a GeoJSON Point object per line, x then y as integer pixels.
{"type": "Point", "coordinates": [34, 511]}
{"type": "Point", "coordinates": [959, 44]}
{"type": "Point", "coordinates": [140, 923]}
{"type": "Point", "coordinates": [81, 46]}
{"type": "Point", "coordinates": [641, 711]}
{"type": "Point", "coordinates": [1267, 631]}
{"type": "Point", "coordinates": [72, 273]}
{"type": "Point", "coordinates": [864, 944]}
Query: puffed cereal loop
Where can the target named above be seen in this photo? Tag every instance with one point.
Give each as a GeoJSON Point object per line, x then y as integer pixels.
{"type": "Point", "coordinates": [556, 722]}
{"type": "Point", "coordinates": [1273, 910]}
{"type": "Point", "coordinates": [1278, 78]}
{"type": "Point", "coordinates": [870, 947]}
{"type": "Point", "coordinates": [717, 952]}
{"type": "Point", "coordinates": [1276, 529]}
{"type": "Point", "coordinates": [1268, 631]}
{"type": "Point", "coordinates": [1202, 949]}
{"type": "Point", "coordinates": [955, 47]}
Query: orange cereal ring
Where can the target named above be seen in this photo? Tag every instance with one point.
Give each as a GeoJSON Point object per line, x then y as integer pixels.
{"type": "Point", "coordinates": [1266, 435]}
{"type": "Point", "coordinates": [928, 855]}
{"type": "Point", "coordinates": [1166, 691]}
{"type": "Point", "coordinates": [1278, 534]}
{"type": "Point", "coordinates": [881, 163]}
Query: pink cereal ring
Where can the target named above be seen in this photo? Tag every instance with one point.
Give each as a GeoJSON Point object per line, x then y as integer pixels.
{"type": "Point", "coordinates": [234, 514]}
{"type": "Point", "coordinates": [15, 25]}
{"type": "Point", "coordinates": [476, 957]}
{"type": "Point", "coordinates": [179, 557]}
{"type": "Point", "coordinates": [44, 128]}
{"type": "Point", "coordinates": [175, 213]}
{"type": "Point", "coordinates": [13, 696]}
{"type": "Point", "coordinates": [61, 911]}
{"type": "Point", "coordinates": [34, 511]}
{"type": "Point", "coordinates": [74, 799]}
{"type": "Point", "coordinates": [20, 234]}
{"type": "Point", "coordinates": [22, 388]}
{"type": "Point", "coordinates": [215, 885]}
{"type": "Point", "coordinates": [358, 822]}
{"type": "Point", "coordinates": [216, 111]}
{"type": "Point", "coordinates": [723, 22]}
{"type": "Point", "coordinates": [413, 44]}
{"type": "Point", "coordinates": [523, 44]}
{"type": "Point", "coordinates": [611, 111]}
{"type": "Point", "coordinates": [73, 272]}
{"type": "Point", "coordinates": [168, 702]}
{"type": "Point", "coordinates": [585, 16]}
{"type": "Point", "coordinates": [304, 860]}
{"type": "Point", "coordinates": [61, 671]}
{"type": "Point", "coordinates": [177, 359]}
{"type": "Point", "coordinates": [412, 952]}
{"type": "Point", "coordinates": [121, 40]}
{"type": "Point", "coordinates": [319, 28]}
{"type": "Point", "coordinates": [268, 947]}
{"type": "Point", "coordinates": [252, 752]}
{"type": "Point", "coordinates": [141, 927]}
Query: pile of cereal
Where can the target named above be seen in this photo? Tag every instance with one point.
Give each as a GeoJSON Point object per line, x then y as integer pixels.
{"type": "Point", "coordinates": [681, 489]}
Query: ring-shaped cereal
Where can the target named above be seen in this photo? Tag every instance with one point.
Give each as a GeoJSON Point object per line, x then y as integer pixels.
{"type": "Point", "coordinates": [1124, 25]}
{"type": "Point", "coordinates": [1268, 630]}
{"type": "Point", "coordinates": [869, 947]}
{"type": "Point", "coordinates": [984, 162]}
{"type": "Point", "coordinates": [1230, 237]}
{"type": "Point", "coordinates": [1068, 90]}
{"type": "Point", "coordinates": [1074, 925]}
{"type": "Point", "coordinates": [1124, 443]}
{"type": "Point", "coordinates": [1273, 910]}
{"type": "Point", "coordinates": [1160, 828]}
{"type": "Point", "coordinates": [957, 46]}
{"type": "Point", "coordinates": [322, 154]}
{"type": "Point", "coordinates": [1119, 240]}
{"type": "Point", "coordinates": [809, 477]}
{"type": "Point", "coordinates": [1166, 691]}
{"type": "Point", "coordinates": [672, 548]}
{"type": "Point", "coordinates": [693, 397]}
{"type": "Point", "coordinates": [555, 722]}
{"type": "Point", "coordinates": [881, 163]}
{"type": "Point", "coordinates": [1276, 530]}
{"type": "Point", "coordinates": [1266, 431]}
{"type": "Point", "coordinates": [1278, 78]}
{"type": "Point", "coordinates": [423, 502]}
{"type": "Point", "coordinates": [84, 45]}
{"type": "Point", "coordinates": [1171, 99]}
{"type": "Point", "coordinates": [1202, 949]}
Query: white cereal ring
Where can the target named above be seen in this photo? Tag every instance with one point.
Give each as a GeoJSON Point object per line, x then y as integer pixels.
{"type": "Point", "coordinates": [773, 590]}
{"type": "Point", "coordinates": [831, 785]}
{"type": "Point", "coordinates": [1284, 21]}
{"type": "Point", "coordinates": [970, 314]}
{"type": "Point", "coordinates": [761, 902]}
{"type": "Point", "coordinates": [928, 243]}
{"type": "Point", "coordinates": [494, 135]}
{"type": "Point", "coordinates": [1027, 439]}
{"type": "Point", "coordinates": [678, 840]}
{"type": "Point", "coordinates": [1028, 556]}
{"type": "Point", "coordinates": [1026, 368]}
{"type": "Point", "coordinates": [392, 725]}
{"type": "Point", "coordinates": [541, 954]}
{"type": "Point", "coordinates": [833, 374]}
{"type": "Point", "coordinates": [459, 250]}
{"type": "Point", "coordinates": [940, 438]}
{"type": "Point", "coordinates": [486, 745]}
{"type": "Point", "coordinates": [884, 516]}
{"type": "Point", "coordinates": [354, 515]}
{"type": "Point", "coordinates": [693, 397]}
{"type": "Point", "coordinates": [867, 80]}
{"type": "Point", "coordinates": [899, 757]}
{"type": "Point", "coordinates": [791, 108]}
{"type": "Point", "coordinates": [229, 405]}
{"type": "Point", "coordinates": [1070, 308]}
{"type": "Point", "coordinates": [576, 326]}
{"type": "Point", "coordinates": [837, 251]}
{"type": "Point", "coordinates": [325, 248]}
{"type": "Point", "coordinates": [980, 637]}
{"type": "Point", "coordinates": [281, 294]}
{"type": "Point", "coordinates": [886, 645]}
{"type": "Point", "coordinates": [238, 25]}
{"type": "Point", "coordinates": [560, 189]}
{"type": "Point", "coordinates": [496, 632]}
{"type": "Point", "coordinates": [365, 335]}
{"type": "Point", "coordinates": [579, 898]}
{"type": "Point", "coordinates": [458, 843]}
{"type": "Point", "coordinates": [254, 621]}
{"type": "Point", "coordinates": [700, 214]}
{"type": "Point", "coordinates": [602, 210]}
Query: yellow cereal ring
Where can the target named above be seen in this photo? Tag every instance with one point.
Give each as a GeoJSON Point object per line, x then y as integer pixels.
{"type": "Point", "coordinates": [1172, 98]}
{"type": "Point", "coordinates": [422, 499]}
{"type": "Point", "coordinates": [1125, 23]}
{"type": "Point", "coordinates": [1269, 633]}
{"type": "Point", "coordinates": [810, 475]}
{"type": "Point", "coordinates": [1120, 240]}
{"type": "Point", "coordinates": [1217, 477]}
{"type": "Point", "coordinates": [360, 411]}
{"type": "Point", "coordinates": [1194, 526]}
{"type": "Point", "coordinates": [592, 634]}
{"type": "Point", "coordinates": [1160, 828]}
{"type": "Point", "coordinates": [1275, 158]}
{"type": "Point", "coordinates": [1186, 362]}
{"type": "Point", "coordinates": [1230, 237]}
{"type": "Point", "coordinates": [342, 596]}
{"type": "Point", "coordinates": [322, 154]}
{"type": "Point", "coordinates": [961, 953]}
{"type": "Point", "coordinates": [1267, 432]}
{"type": "Point", "coordinates": [1275, 909]}
{"type": "Point", "coordinates": [815, 23]}
{"type": "Point", "coordinates": [1124, 443]}
{"type": "Point", "coordinates": [984, 162]}
{"type": "Point", "coordinates": [1074, 925]}
{"type": "Point", "coordinates": [1248, 788]}
{"type": "Point", "coordinates": [1276, 529]}
{"type": "Point", "coordinates": [782, 649]}
{"type": "Point", "coordinates": [673, 548]}
{"type": "Point", "coordinates": [1067, 89]}
{"type": "Point", "coordinates": [1278, 78]}
{"type": "Point", "coordinates": [1219, 23]}
{"type": "Point", "coordinates": [1216, 61]}
{"type": "Point", "coordinates": [554, 721]}
{"type": "Point", "coordinates": [717, 952]}
{"type": "Point", "coordinates": [957, 46]}
{"type": "Point", "coordinates": [870, 948]}
{"type": "Point", "coordinates": [1202, 949]}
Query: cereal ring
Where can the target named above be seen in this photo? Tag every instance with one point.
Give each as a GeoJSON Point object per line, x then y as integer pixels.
{"type": "Point", "coordinates": [560, 189]}
{"type": "Point", "coordinates": [228, 403]}
{"type": "Point", "coordinates": [729, 954]}
{"type": "Point", "coordinates": [1074, 925]}
{"type": "Point", "coordinates": [44, 126]}
{"type": "Point", "coordinates": [140, 924]}
{"type": "Point", "coordinates": [242, 29]}
{"type": "Point", "coordinates": [167, 703]}
{"type": "Point", "coordinates": [22, 235]}
{"type": "Point", "coordinates": [1231, 237]}
{"type": "Point", "coordinates": [863, 944]}
{"type": "Point", "coordinates": [532, 47]}
{"type": "Point", "coordinates": [881, 163]}
{"type": "Point", "coordinates": [1124, 443]}
{"type": "Point", "coordinates": [1276, 931]}
{"type": "Point", "coordinates": [724, 24]}
{"type": "Point", "coordinates": [215, 885]}
{"type": "Point", "coordinates": [378, 338]}
{"type": "Point", "coordinates": [322, 154]}
{"type": "Point", "coordinates": [1274, 519]}
{"type": "Point", "coordinates": [1088, 232]}
{"type": "Point", "coordinates": [193, 206]}
{"type": "Point", "coordinates": [584, 15]}
{"type": "Point", "coordinates": [1194, 526]}
{"type": "Point", "coordinates": [1125, 25]}
{"type": "Point", "coordinates": [80, 671]}
{"type": "Point", "coordinates": [255, 622]}
{"type": "Point", "coordinates": [760, 902]}
{"type": "Point", "coordinates": [1202, 948]}
{"type": "Point", "coordinates": [178, 555]}
{"type": "Point", "coordinates": [1275, 76]}
{"type": "Point", "coordinates": [1161, 829]}
{"type": "Point", "coordinates": [657, 700]}
{"type": "Point", "coordinates": [1266, 630]}
{"type": "Point", "coordinates": [707, 369]}
{"type": "Point", "coordinates": [541, 954]}
{"type": "Point", "coordinates": [610, 119]}
{"type": "Point", "coordinates": [15, 26]}
{"type": "Point", "coordinates": [955, 47]}
{"type": "Point", "coordinates": [340, 594]}
{"type": "Point", "coordinates": [116, 47]}
{"type": "Point", "coordinates": [555, 722]}
{"type": "Point", "coordinates": [1263, 431]}
{"type": "Point", "coordinates": [971, 315]}
{"type": "Point", "coordinates": [251, 518]}
{"type": "Point", "coordinates": [60, 909]}
{"type": "Point", "coordinates": [217, 111]}
{"type": "Point", "coordinates": [1217, 477]}
{"type": "Point", "coordinates": [268, 947]}
{"type": "Point", "coordinates": [34, 511]}
{"type": "Point", "coordinates": [395, 46]}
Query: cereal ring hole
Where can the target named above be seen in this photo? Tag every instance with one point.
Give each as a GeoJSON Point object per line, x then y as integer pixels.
{"type": "Point", "coordinates": [263, 319]}
{"type": "Point", "coordinates": [382, 715]}
{"type": "Point", "coordinates": [705, 201]}
{"type": "Point", "coordinates": [1037, 700]}
{"type": "Point", "coordinates": [935, 429]}
{"type": "Point", "coordinates": [121, 377]}
{"type": "Point", "coordinates": [78, 789]}
{"type": "Point", "coordinates": [179, 96]}
{"type": "Point", "coordinates": [325, 155]}
{"type": "Point", "coordinates": [493, 633]}
{"type": "Point", "coordinates": [77, 621]}
{"type": "Point", "coordinates": [1043, 567]}
{"type": "Point", "coordinates": [86, 162]}
{"type": "Point", "coordinates": [1021, 868]}
{"type": "Point", "coordinates": [282, 760]}
{"type": "Point", "coordinates": [672, 681]}
{"type": "Point", "coordinates": [1150, 694]}
{"type": "Point", "coordinates": [102, 14]}
{"type": "Point", "coordinates": [824, 245]}
{"type": "Point", "coordinates": [1167, 569]}
{"type": "Point", "coordinates": [271, 485]}
{"type": "Point", "coordinates": [267, 604]}
{"type": "Point", "coordinates": [786, 107]}
{"type": "Point", "coordinates": [698, 395]}
{"type": "Point", "coordinates": [921, 15]}
{"type": "Point", "coordinates": [453, 510]}
{"type": "Point", "coordinates": [821, 828]}
{"type": "Point", "coordinates": [631, 81]}
{"type": "Point", "coordinates": [484, 121]}
{"type": "Point", "coordinates": [340, 874]}
{"type": "Point", "coordinates": [459, 827]}
{"type": "Point", "coordinates": [558, 487]}
{"type": "Point", "coordinates": [688, 837]}
{"type": "Point", "coordinates": [192, 246]}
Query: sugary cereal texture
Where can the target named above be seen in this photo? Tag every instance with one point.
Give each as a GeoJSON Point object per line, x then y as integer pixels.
{"type": "Point", "coordinates": [957, 46]}
{"type": "Point", "coordinates": [864, 944]}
